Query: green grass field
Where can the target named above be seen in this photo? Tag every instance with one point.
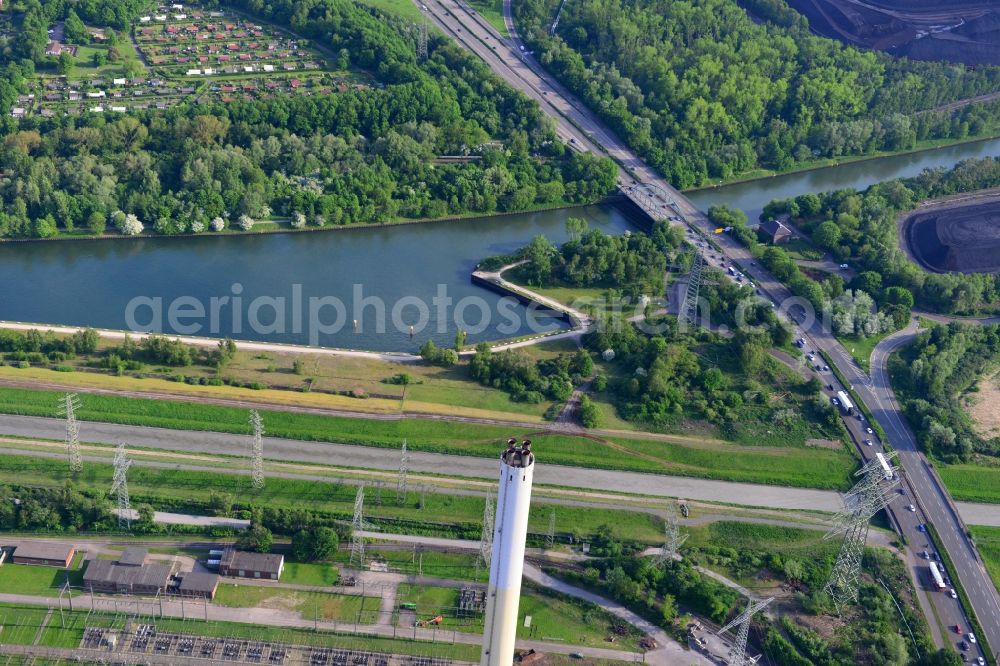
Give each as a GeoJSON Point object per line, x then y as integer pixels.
{"type": "Point", "coordinates": [972, 483]}
{"type": "Point", "coordinates": [861, 348]}
{"type": "Point", "coordinates": [492, 11]}
{"type": "Point", "coordinates": [558, 618]}
{"type": "Point", "coordinates": [36, 580]}
{"type": "Point", "coordinates": [300, 573]}
{"type": "Point", "coordinates": [988, 545]}
{"type": "Point", "coordinates": [553, 616]}
{"type": "Point", "coordinates": [820, 468]}
{"type": "Point", "coordinates": [18, 625]}
{"type": "Point", "coordinates": [321, 605]}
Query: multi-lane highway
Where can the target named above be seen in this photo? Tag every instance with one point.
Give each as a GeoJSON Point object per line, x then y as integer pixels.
{"type": "Point", "coordinates": [579, 126]}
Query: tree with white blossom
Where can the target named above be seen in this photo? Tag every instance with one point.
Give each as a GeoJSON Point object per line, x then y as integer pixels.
{"type": "Point", "coordinates": [127, 225]}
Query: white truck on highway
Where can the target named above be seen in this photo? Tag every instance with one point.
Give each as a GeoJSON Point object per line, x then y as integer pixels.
{"type": "Point", "coordinates": [845, 403]}
{"type": "Point", "coordinates": [936, 575]}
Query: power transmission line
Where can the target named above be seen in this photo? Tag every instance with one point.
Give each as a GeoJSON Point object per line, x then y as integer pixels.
{"type": "Point", "coordinates": [401, 480]}
{"type": "Point", "coordinates": [119, 486]}
{"type": "Point", "coordinates": [357, 525]}
{"type": "Point", "coordinates": [738, 653]}
{"type": "Point", "coordinates": [68, 406]}
{"type": "Point", "coordinates": [869, 496]}
{"type": "Point", "coordinates": [257, 451]}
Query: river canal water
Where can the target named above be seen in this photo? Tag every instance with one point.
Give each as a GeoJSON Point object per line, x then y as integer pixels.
{"type": "Point", "coordinates": [238, 285]}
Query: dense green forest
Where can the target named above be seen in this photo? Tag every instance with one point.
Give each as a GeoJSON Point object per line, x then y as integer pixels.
{"type": "Point", "coordinates": [861, 227]}
{"type": "Point", "coordinates": [359, 156]}
{"type": "Point", "coordinates": [703, 92]}
{"type": "Point", "coordinates": [630, 265]}
{"type": "Point", "coordinates": [932, 376]}
{"type": "Point", "coordinates": [662, 376]}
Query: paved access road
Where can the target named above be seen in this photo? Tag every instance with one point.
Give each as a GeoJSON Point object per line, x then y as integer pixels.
{"type": "Point", "coordinates": [575, 122]}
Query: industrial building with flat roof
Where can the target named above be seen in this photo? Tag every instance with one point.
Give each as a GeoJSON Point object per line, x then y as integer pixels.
{"type": "Point", "coordinates": [128, 575]}
{"type": "Point", "coordinates": [251, 565]}
{"type": "Point", "coordinates": [45, 553]}
{"type": "Point", "coordinates": [197, 584]}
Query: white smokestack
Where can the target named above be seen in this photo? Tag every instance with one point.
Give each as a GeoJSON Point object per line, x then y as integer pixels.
{"type": "Point", "coordinates": [517, 466]}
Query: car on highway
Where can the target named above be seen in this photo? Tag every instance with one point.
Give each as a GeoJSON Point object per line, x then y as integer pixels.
{"type": "Point", "coordinates": [844, 267]}
{"type": "Point", "coordinates": [921, 528]}
{"type": "Point", "coordinates": [952, 593]}
{"type": "Point", "coordinates": [868, 442]}
{"type": "Point", "coordinates": [963, 646]}
{"type": "Point", "coordinates": [981, 661]}
{"type": "Point", "coordinates": [972, 638]}
{"type": "Point", "coordinates": [869, 431]}
{"type": "Point", "coordinates": [958, 628]}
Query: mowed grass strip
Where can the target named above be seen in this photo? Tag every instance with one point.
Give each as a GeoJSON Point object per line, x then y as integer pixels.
{"type": "Point", "coordinates": [792, 466]}
{"type": "Point", "coordinates": [311, 605]}
{"type": "Point", "coordinates": [972, 483]}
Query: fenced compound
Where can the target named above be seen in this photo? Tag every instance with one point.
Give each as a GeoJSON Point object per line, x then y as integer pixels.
{"type": "Point", "coordinates": [135, 639]}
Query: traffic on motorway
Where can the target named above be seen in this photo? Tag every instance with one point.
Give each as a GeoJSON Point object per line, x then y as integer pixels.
{"type": "Point", "coordinates": [580, 127]}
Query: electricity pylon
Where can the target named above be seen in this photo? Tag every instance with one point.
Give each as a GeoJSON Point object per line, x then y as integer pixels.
{"type": "Point", "coordinates": [869, 496]}
{"type": "Point", "coordinates": [672, 542]}
{"type": "Point", "coordinates": [119, 486]}
{"type": "Point", "coordinates": [257, 450]}
{"type": "Point", "coordinates": [688, 315]}
{"type": "Point", "coordinates": [485, 557]}
{"type": "Point", "coordinates": [422, 39]}
{"type": "Point", "coordinates": [550, 536]}
{"type": "Point", "coordinates": [357, 525]}
{"type": "Point", "coordinates": [69, 404]}
{"type": "Point", "coordinates": [401, 480]}
{"type": "Point", "coordinates": [738, 653]}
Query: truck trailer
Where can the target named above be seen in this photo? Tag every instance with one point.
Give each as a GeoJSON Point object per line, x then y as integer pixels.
{"type": "Point", "coordinates": [845, 402]}
{"type": "Point", "coordinates": [936, 575]}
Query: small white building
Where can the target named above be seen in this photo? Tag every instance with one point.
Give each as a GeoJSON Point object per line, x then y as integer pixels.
{"type": "Point", "coordinates": [145, 19]}
{"type": "Point", "coordinates": [209, 71]}
{"type": "Point", "coordinates": [268, 68]}
{"type": "Point", "coordinates": [119, 109]}
{"type": "Point", "coordinates": [97, 109]}
{"type": "Point", "coordinates": [194, 72]}
{"type": "Point", "coordinates": [120, 82]}
{"type": "Point", "coordinates": [97, 94]}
